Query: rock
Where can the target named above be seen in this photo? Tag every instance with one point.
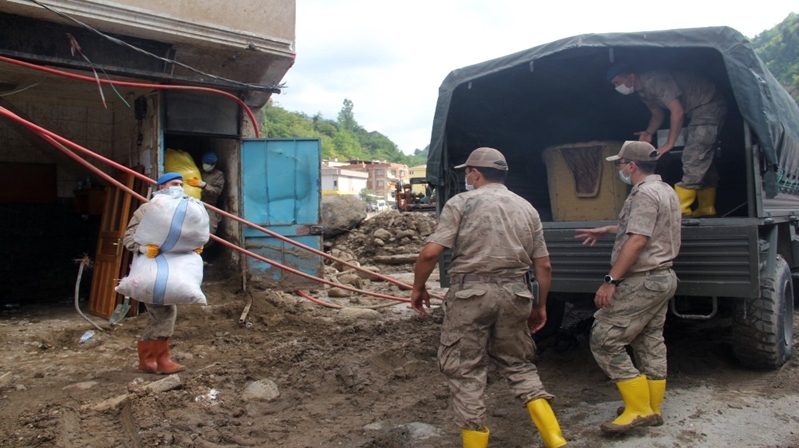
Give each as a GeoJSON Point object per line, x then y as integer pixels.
{"type": "Point", "coordinates": [107, 405]}
{"type": "Point", "coordinates": [351, 279]}
{"type": "Point", "coordinates": [163, 385]}
{"type": "Point", "coordinates": [5, 379]}
{"type": "Point", "coordinates": [383, 234]}
{"type": "Point", "coordinates": [407, 233]}
{"type": "Point", "coordinates": [379, 242]}
{"type": "Point", "coordinates": [263, 390]}
{"type": "Point", "coordinates": [396, 259]}
{"type": "Point", "coordinates": [358, 313]}
{"type": "Point", "coordinates": [338, 292]}
{"type": "Point", "coordinates": [86, 385]}
{"type": "Point", "coordinates": [367, 276]}
{"type": "Point", "coordinates": [341, 213]}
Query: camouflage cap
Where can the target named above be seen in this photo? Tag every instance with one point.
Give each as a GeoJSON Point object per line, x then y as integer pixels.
{"type": "Point", "coordinates": [486, 158]}
{"type": "Point", "coordinates": [636, 151]}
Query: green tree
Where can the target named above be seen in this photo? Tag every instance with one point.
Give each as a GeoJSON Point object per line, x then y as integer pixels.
{"type": "Point", "coordinates": [368, 196]}
{"type": "Point", "coordinates": [346, 117]}
{"type": "Point", "coordinates": [779, 50]}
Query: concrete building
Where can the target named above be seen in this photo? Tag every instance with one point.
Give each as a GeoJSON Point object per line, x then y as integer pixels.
{"type": "Point", "coordinates": [383, 177]}
{"type": "Point", "coordinates": [243, 48]}
{"type": "Point", "coordinates": [339, 181]}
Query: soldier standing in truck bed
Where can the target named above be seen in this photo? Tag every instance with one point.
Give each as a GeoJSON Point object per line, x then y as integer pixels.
{"type": "Point", "coordinates": [685, 96]}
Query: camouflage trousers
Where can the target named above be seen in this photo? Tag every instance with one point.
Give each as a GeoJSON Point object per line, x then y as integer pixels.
{"type": "Point", "coordinates": [635, 318]}
{"type": "Point", "coordinates": [161, 323]}
{"type": "Point", "coordinates": [487, 319]}
{"type": "Point", "coordinates": [699, 168]}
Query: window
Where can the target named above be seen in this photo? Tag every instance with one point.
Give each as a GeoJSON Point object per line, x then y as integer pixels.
{"type": "Point", "coordinates": [379, 172]}
{"type": "Point", "coordinates": [335, 183]}
{"type": "Point", "coordinates": [380, 184]}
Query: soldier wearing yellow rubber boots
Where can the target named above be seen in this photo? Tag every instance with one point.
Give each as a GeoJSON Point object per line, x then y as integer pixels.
{"type": "Point", "coordinates": [495, 237]}
{"type": "Point", "coordinates": [688, 98]}
{"type": "Point", "coordinates": [634, 296]}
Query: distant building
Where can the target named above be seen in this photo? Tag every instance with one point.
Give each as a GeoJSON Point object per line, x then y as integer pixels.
{"type": "Point", "coordinates": [419, 171]}
{"type": "Point", "coordinates": [383, 176]}
{"type": "Point", "coordinates": [340, 181]}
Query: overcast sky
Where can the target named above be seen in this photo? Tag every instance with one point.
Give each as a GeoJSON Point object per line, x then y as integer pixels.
{"type": "Point", "coordinates": [389, 58]}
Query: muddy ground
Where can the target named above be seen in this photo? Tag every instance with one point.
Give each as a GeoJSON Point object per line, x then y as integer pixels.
{"type": "Point", "coordinates": [350, 378]}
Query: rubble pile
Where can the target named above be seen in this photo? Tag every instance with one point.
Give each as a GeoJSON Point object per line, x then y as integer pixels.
{"type": "Point", "coordinates": [387, 238]}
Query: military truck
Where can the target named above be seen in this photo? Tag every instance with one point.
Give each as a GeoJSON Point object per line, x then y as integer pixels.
{"type": "Point", "coordinates": [554, 115]}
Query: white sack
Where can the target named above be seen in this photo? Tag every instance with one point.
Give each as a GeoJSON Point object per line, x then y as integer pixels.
{"type": "Point", "coordinates": [168, 279]}
{"type": "Point", "coordinates": [173, 223]}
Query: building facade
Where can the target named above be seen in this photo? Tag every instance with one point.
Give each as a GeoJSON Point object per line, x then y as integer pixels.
{"type": "Point", "coordinates": [336, 181]}
{"type": "Point", "coordinates": [240, 48]}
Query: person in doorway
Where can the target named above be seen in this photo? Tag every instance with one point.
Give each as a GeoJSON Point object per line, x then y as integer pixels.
{"type": "Point", "coordinates": [212, 185]}
{"type": "Point", "coordinates": [687, 97]}
{"type": "Point", "coordinates": [634, 296]}
{"type": "Point", "coordinates": [496, 237]}
{"type": "Point", "coordinates": [153, 347]}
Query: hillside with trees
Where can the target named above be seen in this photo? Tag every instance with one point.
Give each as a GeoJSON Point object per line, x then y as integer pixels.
{"type": "Point", "coordinates": [779, 49]}
{"type": "Point", "coordinates": [342, 138]}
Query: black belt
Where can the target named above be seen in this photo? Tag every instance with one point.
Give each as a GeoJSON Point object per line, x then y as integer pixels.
{"type": "Point", "coordinates": [476, 278]}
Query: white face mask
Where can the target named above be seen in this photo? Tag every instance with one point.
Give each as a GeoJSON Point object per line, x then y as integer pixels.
{"type": "Point", "coordinates": [468, 186]}
{"type": "Point", "coordinates": [626, 179]}
{"type": "Point", "coordinates": [207, 168]}
{"type": "Point", "coordinates": [624, 90]}
{"type": "Point", "coordinates": [175, 192]}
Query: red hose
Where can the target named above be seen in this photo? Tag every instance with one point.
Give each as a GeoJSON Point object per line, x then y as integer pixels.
{"type": "Point", "coordinates": [56, 140]}
{"type": "Point", "coordinates": [147, 179]}
{"type": "Point", "coordinates": [317, 301]}
{"type": "Point", "coordinates": [40, 130]}
{"type": "Point", "coordinates": [137, 84]}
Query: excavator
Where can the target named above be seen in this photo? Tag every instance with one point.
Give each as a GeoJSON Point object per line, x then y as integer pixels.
{"type": "Point", "coordinates": [409, 200]}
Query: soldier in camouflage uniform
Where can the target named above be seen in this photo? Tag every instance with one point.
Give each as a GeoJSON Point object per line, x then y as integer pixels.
{"type": "Point", "coordinates": [495, 237]}
{"type": "Point", "coordinates": [685, 96]}
{"type": "Point", "coordinates": [634, 297]}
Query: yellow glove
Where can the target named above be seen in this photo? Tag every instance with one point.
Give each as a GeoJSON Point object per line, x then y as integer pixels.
{"type": "Point", "coordinates": [195, 182]}
{"type": "Point", "coordinates": [199, 250]}
{"type": "Point", "coordinates": [152, 251]}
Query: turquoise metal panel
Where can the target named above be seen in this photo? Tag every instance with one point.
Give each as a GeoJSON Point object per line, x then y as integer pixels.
{"type": "Point", "coordinates": [280, 188]}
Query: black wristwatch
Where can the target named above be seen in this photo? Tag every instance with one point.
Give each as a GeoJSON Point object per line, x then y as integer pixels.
{"type": "Point", "coordinates": [611, 280]}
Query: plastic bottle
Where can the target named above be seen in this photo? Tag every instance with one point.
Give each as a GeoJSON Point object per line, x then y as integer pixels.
{"type": "Point", "coordinates": [86, 336]}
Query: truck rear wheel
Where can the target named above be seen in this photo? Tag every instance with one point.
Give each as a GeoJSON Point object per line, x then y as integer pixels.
{"type": "Point", "coordinates": [763, 326]}
{"type": "Point", "coordinates": [556, 309]}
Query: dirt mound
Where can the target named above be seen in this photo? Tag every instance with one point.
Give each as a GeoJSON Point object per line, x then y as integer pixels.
{"type": "Point", "coordinates": [387, 238]}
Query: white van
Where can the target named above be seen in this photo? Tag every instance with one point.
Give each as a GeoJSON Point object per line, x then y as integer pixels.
{"type": "Point", "coordinates": [381, 205]}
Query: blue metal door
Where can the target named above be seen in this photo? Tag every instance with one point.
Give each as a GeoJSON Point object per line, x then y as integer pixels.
{"type": "Point", "coordinates": [280, 190]}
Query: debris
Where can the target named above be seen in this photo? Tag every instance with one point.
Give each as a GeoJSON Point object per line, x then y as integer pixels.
{"type": "Point", "coordinates": [265, 390]}
{"type": "Point", "coordinates": [86, 336]}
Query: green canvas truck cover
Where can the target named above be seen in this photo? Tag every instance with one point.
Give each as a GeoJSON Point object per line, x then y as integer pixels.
{"type": "Point", "coordinates": [763, 103]}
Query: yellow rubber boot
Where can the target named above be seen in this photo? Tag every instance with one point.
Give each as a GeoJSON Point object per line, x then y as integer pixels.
{"type": "Point", "coordinates": [637, 410]}
{"type": "Point", "coordinates": [475, 439]}
{"type": "Point", "coordinates": [687, 198]}
{"type": "Point", "coordinates": [544, 419]}
{"type": "Point", "coordinates": [657, 389]}
{"type": "Point", "coordinates": [707, 202]}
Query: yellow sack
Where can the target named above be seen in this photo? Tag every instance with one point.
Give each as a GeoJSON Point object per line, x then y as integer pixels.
{"type": "Point", "coordinates": [179, 161]}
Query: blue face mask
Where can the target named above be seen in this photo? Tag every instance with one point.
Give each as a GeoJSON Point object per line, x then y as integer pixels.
{"type": "Point", "coordinates": [626, 179]}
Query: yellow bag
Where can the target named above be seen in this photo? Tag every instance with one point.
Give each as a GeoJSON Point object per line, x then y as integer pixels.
{"type": "Point", "coordinates": [179, 161]}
